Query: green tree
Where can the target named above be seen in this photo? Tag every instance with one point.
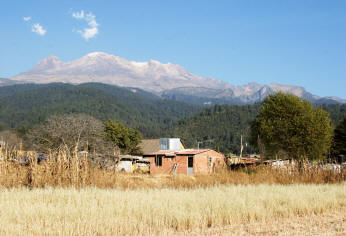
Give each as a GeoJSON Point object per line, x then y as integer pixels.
{"type": "Point", "coordinates": [293, 127]}
{"type": "Point", "coordinates": [126, 139]}
{"type": "Point", "coordinates": [339, 138]}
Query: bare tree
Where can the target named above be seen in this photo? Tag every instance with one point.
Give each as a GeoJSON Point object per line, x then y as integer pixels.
{"type": "Point", "coordinates": [72, 132]}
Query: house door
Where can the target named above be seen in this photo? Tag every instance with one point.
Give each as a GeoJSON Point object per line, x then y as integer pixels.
{"type": "Point", "coordinates": [190, 165]}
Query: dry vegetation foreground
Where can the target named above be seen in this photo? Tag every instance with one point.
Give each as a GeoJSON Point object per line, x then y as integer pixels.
{"type": "Point", "coordinates": [216, 210]}
{"type": "Point", "coordinates": [331, 223]}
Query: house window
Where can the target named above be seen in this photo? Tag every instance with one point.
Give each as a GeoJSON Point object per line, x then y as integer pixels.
{"type": "Point", "coordinates": [158, 160]}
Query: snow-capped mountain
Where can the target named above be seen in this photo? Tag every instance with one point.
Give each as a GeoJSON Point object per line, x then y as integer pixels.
{"type": "Point", "coordinates": [110, 69]}
{"type": "Point", "coordinates": [168, 80]}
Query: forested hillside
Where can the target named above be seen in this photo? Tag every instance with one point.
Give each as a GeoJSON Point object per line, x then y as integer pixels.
{"type": "Point", "coordinates": [219, 127]}
{"type": "Point", "coordinates": [30, 104]}
{"type": "Point", "coordinates": [26, 105]}
{"type": "Point", "coordinates": [336, 112]}
{"type": "Point", "coordinates": [224, 125]}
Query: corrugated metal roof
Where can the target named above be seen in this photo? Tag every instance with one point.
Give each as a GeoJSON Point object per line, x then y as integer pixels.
{"type": "Point", "coordinates": [192, 151]}
{"type": "Point", "coordinates": [163, 152]}
{"type": "Point", "coordinates": [174, 153]}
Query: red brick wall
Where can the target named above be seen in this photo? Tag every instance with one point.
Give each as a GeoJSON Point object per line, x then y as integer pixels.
{"type": "Point", "coordinates": [201, 164]}
{"type": "Point", "coordinates": [182, 165]}
{"type": "Point", "coordinates": [167, 165]}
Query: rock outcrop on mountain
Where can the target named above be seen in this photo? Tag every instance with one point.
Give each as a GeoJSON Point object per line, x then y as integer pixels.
{"type": "Point", "coordinates": [240, 95]}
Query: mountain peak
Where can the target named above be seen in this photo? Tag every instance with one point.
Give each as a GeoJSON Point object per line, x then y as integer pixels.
{"type": "Point", "coordinates": [50, 59]}
{"type": "Point", "coordinates": [47, 63]}
{"type": "Point", "coordinates": [98, 54]}
{"type": "Point", "coordinates": [295, 90]}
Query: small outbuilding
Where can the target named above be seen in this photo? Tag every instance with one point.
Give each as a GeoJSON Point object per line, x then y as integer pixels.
{"type": "Point", "coordinates": [188, 161]}
{"type": "Point", "coordinates": [154, 145]}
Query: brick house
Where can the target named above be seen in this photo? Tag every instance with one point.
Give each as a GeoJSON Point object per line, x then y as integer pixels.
{"type": "Point", "coordinates": [188, 161]}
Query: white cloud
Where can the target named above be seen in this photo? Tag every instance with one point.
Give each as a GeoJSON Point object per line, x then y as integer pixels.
{"type": "Point", "coordinates": [78, 15]}
{"type": "Point", "coordinates": [38, 29]}
{"type": "Point", "coordinates": [26, 18]}
{"type": "Point", "coordinates": [89, 33]}
{"type": "Point", "coordinates": [90, 18]}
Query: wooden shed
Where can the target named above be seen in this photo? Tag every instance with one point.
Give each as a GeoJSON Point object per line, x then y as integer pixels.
{"type": "Point", "coordinates": [188, 161]}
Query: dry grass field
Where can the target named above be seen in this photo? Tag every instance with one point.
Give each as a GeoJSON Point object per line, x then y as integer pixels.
{"type": "Point", "coordinates": [71, 196]}
{"type": "Point", "coordinates": [331, 223]}
{"type": "Point", "coordinates": [211, 210]}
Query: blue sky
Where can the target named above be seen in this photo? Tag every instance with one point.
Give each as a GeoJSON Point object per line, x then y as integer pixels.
{"type": "Point", "coordinates": [288, 42]}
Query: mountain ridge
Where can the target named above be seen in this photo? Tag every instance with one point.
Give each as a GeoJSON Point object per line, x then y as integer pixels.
{"type": "Point", "coordinates": [241, 95]}
{"type": "Point", "coordinates": [166, 80]}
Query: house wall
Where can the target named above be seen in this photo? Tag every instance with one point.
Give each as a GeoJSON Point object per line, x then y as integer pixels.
{"type": "Point", "coordinates": [201, 163]}
{"type": "Point", "coordinates": [182, 165]}
{"type": "Point", "coordinates": [167, 165]}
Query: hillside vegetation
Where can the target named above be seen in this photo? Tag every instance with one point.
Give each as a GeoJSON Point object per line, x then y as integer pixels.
{"type": "Point", "coordinates": [27, 105]}
{"type": "Point", "coordinates": [219, 126]}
